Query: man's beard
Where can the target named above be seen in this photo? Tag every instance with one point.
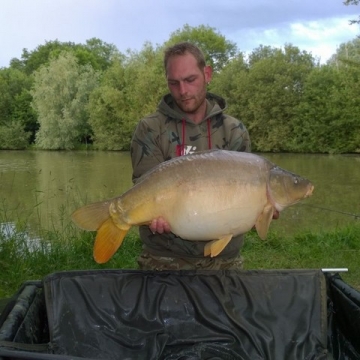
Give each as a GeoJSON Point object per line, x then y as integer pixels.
{"type": "Point", "coordinates": [193, 103]}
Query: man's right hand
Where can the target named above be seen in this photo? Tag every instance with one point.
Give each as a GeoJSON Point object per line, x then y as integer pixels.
{"type": "Point", "coordinates": [159, 225]}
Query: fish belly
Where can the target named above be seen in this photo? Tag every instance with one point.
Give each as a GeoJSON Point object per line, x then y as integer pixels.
{"type": "Point", "coordinates": [203, 216]}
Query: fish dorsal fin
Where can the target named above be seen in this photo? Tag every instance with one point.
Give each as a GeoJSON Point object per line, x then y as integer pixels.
{"type": "Point", "coordinates": [215, 247]}
{"type": "Point", "coordinates": [108, 239]}
{"type": "Point", "coordinates": [263, 221]}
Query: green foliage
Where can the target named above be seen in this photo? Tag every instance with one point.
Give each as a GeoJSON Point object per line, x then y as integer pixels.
{"type": "Point", "coordinates": [32, 60]}
{"type": "Point", "coordinates": [92, 92]}
{"type": "Point", "coordinates": [232, 84]}
{"type": "Point", "coordinates": [60, 98]}
{"type": "Point", "coordinates": [353, 2]}
{"type": "Point", "coordinates": [25, 114]}
{"type": "Point", "coordinates": [267, 92]}
{"type": "Point", "coordinates": [346, 53]}
{"type": "Point", "coordinates": [15, 109]}
{"type": "Point", "coordinates": [107, 107]}
{"type": "Point", "coordinates": [216, 48]}
{"type": "Point", "coordinates": [277, 83]}
{"type": "Point", "coordinates": [13, 83]}
{"type": "Point", "coordinates": [326, 119]}
{"type": "Point", "coordinates": [130, 89]}
{"type": "Point", "coordinates": [13, 136]}
{"type": "Point", "coordinates": [95, 52]}
{"type": "Point", "coordinates": [262, 52]}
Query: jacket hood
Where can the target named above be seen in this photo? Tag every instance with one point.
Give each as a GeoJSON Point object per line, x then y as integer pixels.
{"type": "Point", "coordinates": [168, 107]}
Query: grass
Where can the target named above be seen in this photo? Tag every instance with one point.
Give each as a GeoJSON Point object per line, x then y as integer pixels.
{"type": "Point", "coordinates": [71, 249]}
{"type": "Point", "coordinates": [333, 249]}
{"type": "Point", "coordinates": [22, 260]}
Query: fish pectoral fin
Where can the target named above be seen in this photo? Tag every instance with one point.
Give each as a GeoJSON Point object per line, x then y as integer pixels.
{"type": "Point", "coordinates": [108, 239]}
{"type": "Point", "coordinates": [263, 221]}
{"type": "Point", "coordinates": [215, 247]}
{"type": "Point", "coordinates": [90, 217]}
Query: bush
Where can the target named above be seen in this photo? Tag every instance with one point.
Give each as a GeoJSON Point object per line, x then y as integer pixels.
{"type": "Point", "coordinates": [13, 136]}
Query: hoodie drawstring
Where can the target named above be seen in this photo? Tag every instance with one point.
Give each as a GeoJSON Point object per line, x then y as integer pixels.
{"type": "Point", "coordinates": [180, 149]}
{"type": "Point", "coordinates": [209, 133]}
{"type": "Point", "coordinates": [183, 137]}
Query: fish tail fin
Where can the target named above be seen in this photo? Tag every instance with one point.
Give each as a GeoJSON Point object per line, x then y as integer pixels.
{"type": "Point", "coordinates": [91, 217]}
{"type": "Point", "coordinates": [108, 239]}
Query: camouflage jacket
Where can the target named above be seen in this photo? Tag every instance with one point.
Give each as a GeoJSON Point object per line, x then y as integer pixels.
{"type": "Point", "coordinates": [169, 133]}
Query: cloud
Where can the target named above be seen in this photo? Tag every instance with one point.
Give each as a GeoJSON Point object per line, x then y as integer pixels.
{"type": "Point", "coordinates": [308, 24]}
{"type": "Point", "coordinates": [320, 38]}
{"type": "Point", "coordinates": [324, 36]}
{"type": "Point", "coordinates": [324, 29]}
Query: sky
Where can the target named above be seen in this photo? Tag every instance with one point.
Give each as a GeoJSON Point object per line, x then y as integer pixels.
{"type": "Point", "coordinates": [316, 26]}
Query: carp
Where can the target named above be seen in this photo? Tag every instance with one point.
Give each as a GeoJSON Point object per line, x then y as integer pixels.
{"type": "Point", "coordinates": [207, 196]}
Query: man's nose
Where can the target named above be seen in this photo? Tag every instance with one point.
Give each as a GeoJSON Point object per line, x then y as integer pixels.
{"type": "Point", "coordinates": [182, 88]}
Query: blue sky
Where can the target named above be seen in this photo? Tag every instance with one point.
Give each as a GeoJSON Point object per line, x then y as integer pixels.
{"type": "Point", "coordinates": [317, 26]}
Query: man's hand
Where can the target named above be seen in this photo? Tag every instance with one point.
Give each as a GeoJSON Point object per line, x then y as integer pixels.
{"type": "Point", "coordinates": [159, 225]}
{"type": "Point", "coordinates": [276, 214]}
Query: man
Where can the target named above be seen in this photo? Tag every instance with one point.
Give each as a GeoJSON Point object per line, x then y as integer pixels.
{"type": "Point", "coordinates": [189, 119]}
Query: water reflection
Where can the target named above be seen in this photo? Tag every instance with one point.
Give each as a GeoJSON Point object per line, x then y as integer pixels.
{"type": "Point", "coordinates": [25, 242]}
{"type": "Point", "coordinates": [42, 188]}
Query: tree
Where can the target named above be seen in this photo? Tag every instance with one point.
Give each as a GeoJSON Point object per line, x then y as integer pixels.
{"type": "Point", "coordinates": [346, 53]}
{"type": "Point", "coordinates": [315, 113]}
{"type": "Point", "coordinates": [261, 53]}
{"type": "Point", "coordinates": [94, 52]}
{"type": "Point", "coordinates": [60, 98]}
{"type": "Point", "coordinates": [130, 89]}
{"type": "Point", "coordinates": [14, 97]}
{"type": "Point", "coordinates": [101, 54]}
{"type": "Point", "coordinates": [32, 60]}
{"type": "Point", "coordinates": [13, 136]}
{"type": "Point", "coordinates": [274, 86]}
{"type": "Point", "coordinates": [12, 83]}
{"type": "Point", "coordinates": [327, 118]}
{"type": "Point", "coordinates": [353, 2]}
{"type": "Point", "coordinates": [217, 50]}
{"type": "Point", "coordinates": [232, 83]}
{"type": "Point", "coordinates": [24, 113]}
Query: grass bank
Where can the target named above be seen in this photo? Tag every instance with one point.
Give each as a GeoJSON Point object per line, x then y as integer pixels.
{"type": "Point", "coordinates": [71, 249]}
{"type": "Point", "coordinates": [334, 249]}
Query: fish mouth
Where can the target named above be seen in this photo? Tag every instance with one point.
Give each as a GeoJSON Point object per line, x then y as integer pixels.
{"type": "Point", "coordinates": [310, 191]}
{"type": "Point", "coordinates": [281, 206]}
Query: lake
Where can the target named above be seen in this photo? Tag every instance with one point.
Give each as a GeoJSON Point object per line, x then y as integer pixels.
{"type": "Point", "coordinates": [42, 188]}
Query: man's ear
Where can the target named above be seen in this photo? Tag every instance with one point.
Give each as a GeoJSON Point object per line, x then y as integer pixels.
{"type": "Point", "coordinates": [208, 73]}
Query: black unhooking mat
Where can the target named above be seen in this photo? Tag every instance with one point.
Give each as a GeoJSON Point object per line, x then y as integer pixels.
{"type": "Point", "coordinates": [187, 315]}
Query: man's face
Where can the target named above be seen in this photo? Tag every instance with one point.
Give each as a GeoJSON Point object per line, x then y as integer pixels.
{"type": "Point", "coordinates": [186, 82]}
